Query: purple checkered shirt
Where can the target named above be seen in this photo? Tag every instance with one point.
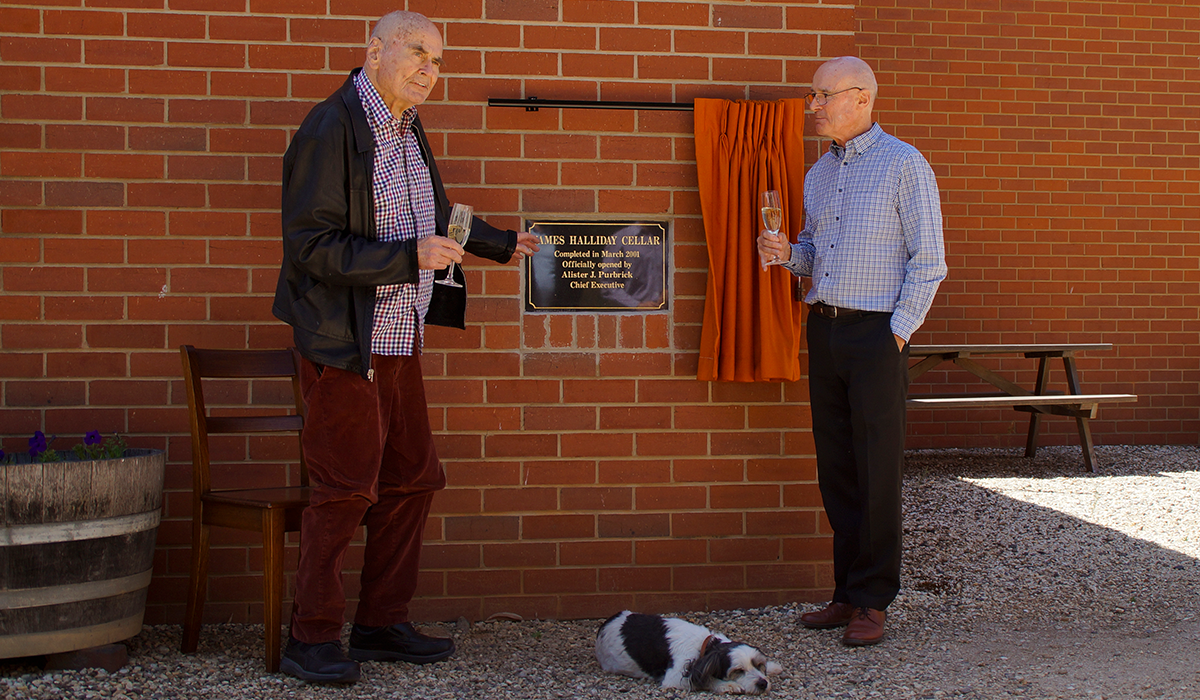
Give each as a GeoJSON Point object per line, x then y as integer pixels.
{"type": "Point", "coordinates": [403, 210]}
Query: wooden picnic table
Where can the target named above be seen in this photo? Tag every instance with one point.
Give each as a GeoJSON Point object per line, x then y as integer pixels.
{"type": "Point", "coordinates": [1037, 401]}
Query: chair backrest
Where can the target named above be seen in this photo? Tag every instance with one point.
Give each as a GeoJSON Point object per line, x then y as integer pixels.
{"type": "Point", "coordinates": [199, 364]}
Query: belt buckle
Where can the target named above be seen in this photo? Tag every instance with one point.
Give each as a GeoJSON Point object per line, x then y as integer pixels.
{"type": "Point", "coordinates": [834, 309]}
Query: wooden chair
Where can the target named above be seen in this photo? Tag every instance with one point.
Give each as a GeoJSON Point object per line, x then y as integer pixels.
{"type": "Point", "coordinates": [272, 511]}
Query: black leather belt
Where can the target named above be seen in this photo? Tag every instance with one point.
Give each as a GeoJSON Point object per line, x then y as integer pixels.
{"type": "Point", "coordinates": [822, 309]}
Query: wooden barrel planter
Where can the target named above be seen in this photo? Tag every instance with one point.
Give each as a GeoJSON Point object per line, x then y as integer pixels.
{"type": "Point", "coordinates": [76, 551]}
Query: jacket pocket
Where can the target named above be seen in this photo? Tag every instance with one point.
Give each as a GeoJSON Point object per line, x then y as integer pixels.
{"type": "Point", "coordinates": [324, 310]}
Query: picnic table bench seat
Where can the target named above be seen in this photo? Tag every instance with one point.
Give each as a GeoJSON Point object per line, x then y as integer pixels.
{"type": "Point", "coordinates": [1037, 401]}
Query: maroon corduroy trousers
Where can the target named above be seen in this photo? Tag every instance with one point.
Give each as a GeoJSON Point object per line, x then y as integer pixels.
{"type": "Point", "coordinates": [370, 452]}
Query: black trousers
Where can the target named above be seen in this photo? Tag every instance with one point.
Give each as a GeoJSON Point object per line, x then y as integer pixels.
{"type": "Point", "coordinates": [858, 384]}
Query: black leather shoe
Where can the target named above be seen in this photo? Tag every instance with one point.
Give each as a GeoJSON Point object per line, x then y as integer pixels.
{"type": "Point", "coordinates": [400, 642]}
{"type": "Point", "coordinates": [318, 663]}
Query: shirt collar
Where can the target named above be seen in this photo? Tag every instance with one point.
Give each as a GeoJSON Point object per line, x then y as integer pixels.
{"type": "Point", "coordinates": [859, 144]}
{"type": "Point", "coordinates": [377, 111]}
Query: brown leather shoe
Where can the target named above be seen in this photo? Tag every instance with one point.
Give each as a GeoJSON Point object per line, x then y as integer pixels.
{"type": "Point", "coordinates": [866, 628]}
{"type": "Point", "coordinates": [834, 615]}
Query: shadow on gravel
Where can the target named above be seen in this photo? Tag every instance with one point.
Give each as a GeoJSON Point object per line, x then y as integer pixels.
{"type": "Point", "coordinates": [1043, 580]}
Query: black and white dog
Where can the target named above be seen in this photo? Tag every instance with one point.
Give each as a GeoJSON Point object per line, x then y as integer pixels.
{"type": "Point", "coordinates": [679, 654]}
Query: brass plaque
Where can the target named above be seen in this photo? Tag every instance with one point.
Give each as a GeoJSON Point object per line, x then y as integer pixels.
{"type": "Point", "coordinates": [597, 266]}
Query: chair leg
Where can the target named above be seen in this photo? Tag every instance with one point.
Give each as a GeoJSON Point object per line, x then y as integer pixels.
{"type": "Point", "coordinates": [197, 584]}
{"type": "Point", "coordinates": [273, 535]}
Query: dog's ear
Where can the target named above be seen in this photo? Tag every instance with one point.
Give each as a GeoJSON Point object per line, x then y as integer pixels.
{"type": "Point", "coordinates": [713, 665]}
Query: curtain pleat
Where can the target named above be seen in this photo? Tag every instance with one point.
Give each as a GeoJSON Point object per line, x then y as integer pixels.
{"type": "Point", "coordinates": [752, 320]}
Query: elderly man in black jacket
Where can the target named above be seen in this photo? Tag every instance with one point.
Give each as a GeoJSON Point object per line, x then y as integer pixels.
{"type": "Point", "coordinates": [364, 218]}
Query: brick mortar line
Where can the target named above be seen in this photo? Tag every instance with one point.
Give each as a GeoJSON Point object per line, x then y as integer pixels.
{"type": "Point", "coordinates": [367, 20]}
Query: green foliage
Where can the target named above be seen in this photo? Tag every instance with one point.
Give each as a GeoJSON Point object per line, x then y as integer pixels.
{"type": "Point", "coordinates": [93, 447]}
{"type": "Point", "coordinates": [112, 447]}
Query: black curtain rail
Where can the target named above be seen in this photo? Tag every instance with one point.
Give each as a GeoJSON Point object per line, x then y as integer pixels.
{"type": "Point", "coordinates": [531, 104]}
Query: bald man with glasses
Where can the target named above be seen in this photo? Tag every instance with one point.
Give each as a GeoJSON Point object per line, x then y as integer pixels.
{"type": "Point", "coordinates": [872, 244]}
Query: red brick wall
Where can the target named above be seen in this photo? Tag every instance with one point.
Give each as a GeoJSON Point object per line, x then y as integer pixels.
{"type": "Point", "coordinates": [589, 470]}
{"type": "Point", "coordinates": [1066, 140]}
{"type": "Point", "coordinates": [139, 165]}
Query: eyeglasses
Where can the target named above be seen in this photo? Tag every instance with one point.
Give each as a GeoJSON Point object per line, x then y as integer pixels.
{"type": "Point", "coordinates": [822, 98]}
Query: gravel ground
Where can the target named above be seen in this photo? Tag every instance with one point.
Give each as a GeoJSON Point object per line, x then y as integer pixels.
{"type": "Point", "coordinates": [1023, 579]}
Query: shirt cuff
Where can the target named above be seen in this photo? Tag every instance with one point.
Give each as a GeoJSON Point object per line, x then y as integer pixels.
{"type": "Point", "coordinates": [794, 264]}
{"type": "Point", "coordinates": [903, 326]}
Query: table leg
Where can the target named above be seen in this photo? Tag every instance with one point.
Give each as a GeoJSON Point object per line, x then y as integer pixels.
{"type": "Point", "coordinates": [1072, 374]}
{"type": "Point", "coordinates": [927, 364]}
{"type": "Point", "coordinates": [1035, 417]}
{"type": "Point", "coordinates": [1085, 441]}
{"type": "Point", "coordinates": [1081, 421]}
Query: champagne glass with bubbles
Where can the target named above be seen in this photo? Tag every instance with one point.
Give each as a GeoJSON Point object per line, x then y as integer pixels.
{"type": "Point", "coordinates": [458, 230]}
{"type": "Point", "coordinates": [772, 216]}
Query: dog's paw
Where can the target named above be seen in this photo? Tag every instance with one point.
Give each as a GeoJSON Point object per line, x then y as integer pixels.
{"type": "Point", "coordinates": [774, 669]}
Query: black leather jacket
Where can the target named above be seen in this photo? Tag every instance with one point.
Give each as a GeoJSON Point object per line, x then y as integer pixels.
{"type": "Point", "coordinates": [332, 258]}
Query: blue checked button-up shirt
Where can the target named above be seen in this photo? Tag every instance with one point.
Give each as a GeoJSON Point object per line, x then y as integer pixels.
{"type": "Point", "coordinates": [872, 237]}
{"type": "Point", "coordinates": [403, 210]}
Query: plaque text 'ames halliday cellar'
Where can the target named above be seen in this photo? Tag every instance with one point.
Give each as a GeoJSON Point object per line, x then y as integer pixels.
{"type": "Point", "coordinates": [597, 266]}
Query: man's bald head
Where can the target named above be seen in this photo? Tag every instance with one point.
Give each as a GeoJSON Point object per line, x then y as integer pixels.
{"type": "Point", "coordinates": [401, 25]}
{"type": "Point", "coordinates": [404, 58]}
{"type": "Point", "coordinates": [844, 89]}
{"type": "Point", "coordinates": [851, 70]}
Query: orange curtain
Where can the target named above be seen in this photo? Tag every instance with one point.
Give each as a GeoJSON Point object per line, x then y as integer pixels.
{"type": "Point", "coordinates": [751, 317]}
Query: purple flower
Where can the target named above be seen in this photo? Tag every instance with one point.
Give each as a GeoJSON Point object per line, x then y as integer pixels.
{"type": "Point", "coordinates": [93, 438]}
{"type": "Point", "coordinates": [37, 443]}
{"type": "Point", "coordinates": [2, 456]}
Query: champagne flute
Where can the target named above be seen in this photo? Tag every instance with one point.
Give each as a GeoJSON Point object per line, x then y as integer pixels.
{"type": "Point", "coordinates": [458, 230]}
{"type": "Point", "coordinates": [772, 216]}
